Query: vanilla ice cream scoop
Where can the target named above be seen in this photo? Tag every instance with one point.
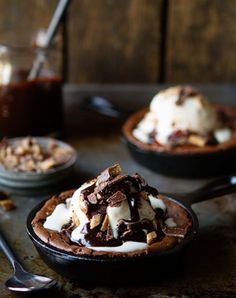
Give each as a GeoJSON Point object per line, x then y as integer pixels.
{"type": "Point", "coordinates": [113, 213]}
{"type": "Point", "coordinates": [182, 111]}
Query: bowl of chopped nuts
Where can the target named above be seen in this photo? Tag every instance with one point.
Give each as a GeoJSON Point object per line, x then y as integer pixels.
{"type": "Point", "coordinates": [33, 162]}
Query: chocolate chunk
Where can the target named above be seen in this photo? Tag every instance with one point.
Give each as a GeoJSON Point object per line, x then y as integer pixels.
{"type": "Point", "coordinates": [185, 92]}
{"type": "Point", "coordinates": [151, 190]}
{"type": "Point", "coordinates": [211, 140]}
{"type": "Point", "coordinates": [139, 179]}
{"type": "Point", "coordinates": [152, 136]}
{"type": "Point", "coordinates": [116, 198]}
{"type": "Point", "coordinates": [108, 174]}
{"type": "Point", "coordinates": [117, 180]}
{"type": "Point", "coordinates": [88, 190]}
{"type": "Point", "coordinates": [109, 184]}
{"type": "Point", "coordinates": [175, 232]}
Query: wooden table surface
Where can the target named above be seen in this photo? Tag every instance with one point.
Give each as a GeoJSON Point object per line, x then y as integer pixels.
{"type": "Point", "coordinates": [209, 265]}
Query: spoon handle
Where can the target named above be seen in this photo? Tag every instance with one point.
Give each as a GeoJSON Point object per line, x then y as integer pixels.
{"type": "Point", "coordinates": [59, 12]}
{"type": "Point", "coordinates": [103, 106]}
{"type": "Point", "coordinates": [7, 251]}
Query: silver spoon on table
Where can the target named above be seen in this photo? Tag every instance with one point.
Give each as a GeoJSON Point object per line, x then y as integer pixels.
{"type": "Point", "coordinates": [21, 280]}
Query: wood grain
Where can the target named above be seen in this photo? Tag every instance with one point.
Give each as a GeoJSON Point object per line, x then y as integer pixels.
{"type": "Point", "coordinates": [114, 41]}
{"type": "Point", "coordinates": [21, 20]}
{"type": "Point", "coordinates": [201, 41]}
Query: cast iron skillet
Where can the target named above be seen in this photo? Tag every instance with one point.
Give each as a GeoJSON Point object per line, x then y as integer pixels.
{"type": "Point", "coordinates": [194, 164]}
{"type": "Point", "coordinates": [101, 270]}
{"type": "Point", "coordinates": [219, 160]}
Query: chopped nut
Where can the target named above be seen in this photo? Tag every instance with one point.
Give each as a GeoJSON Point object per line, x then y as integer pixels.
{"type": "Point", "coordinates": [99, 196]}
{"type": "Point", "coordinates": [175, 231]}
{"type": "Point", "coordinates": [7, 204]}
{"type": "Point", "coordinates": [36, 150]}
{"type": "Point", "coordinates": [20, 150]}
{"type": "Point", "coordinates": [95, 221]}
{"type": "Point", "coordinates": [151, 237]}
{"type": "Point", "coordinates": [11, 161]}
{"type": "Point", "coordinates": [60, 155]}
{"type": "Point", "coordinates": [104, 224]}
{"type": "Point", "coordinates": [27, 155]}
{"type": "Point", "coordinates": [47, 164]}
{"type": "Point", "coordinates": [30, 166]}
{"type": "Point", "coordinates": [26, 143]}
{"type": "Point", "coordinates": [197, 140]}
{"type": "Point", "coordinates": [92, 198]}
{"type": "Point", "coordinates": [82, 204]}
{"type": "Point", "coordinates": [9, 150]}
{"type": "Point", "coordinates": [75, 219]}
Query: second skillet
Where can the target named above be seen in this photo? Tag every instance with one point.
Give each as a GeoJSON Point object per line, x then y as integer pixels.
{"type": "Point", "coordinates": [194, 164]}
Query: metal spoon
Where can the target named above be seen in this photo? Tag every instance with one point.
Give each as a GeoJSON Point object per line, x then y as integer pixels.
{"type": "Point", "coordinates": [23, 281]}
{"type": "Point", "coordinates": [103, 106]}
{"type": "Point", "coordinates": [51, 31]}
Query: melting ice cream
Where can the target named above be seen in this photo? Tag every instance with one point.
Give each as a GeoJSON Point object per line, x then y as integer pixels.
{"type": "Point", "coordinates": [180, 115]}
{"type": "Point", "coordinates": [114, 213]}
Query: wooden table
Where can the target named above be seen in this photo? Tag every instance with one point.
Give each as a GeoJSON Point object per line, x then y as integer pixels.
{"type": "Point", "coordinates": [209, 266]}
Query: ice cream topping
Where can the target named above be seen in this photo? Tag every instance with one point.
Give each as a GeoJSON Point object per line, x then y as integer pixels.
{"type": "Point", "coordinates": [181, 115]}
{"type": "Point", "coordinates": [114, 213]}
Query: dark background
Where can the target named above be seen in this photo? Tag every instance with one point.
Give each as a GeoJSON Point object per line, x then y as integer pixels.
{"type": "Point", "coordinates": [135, 41]}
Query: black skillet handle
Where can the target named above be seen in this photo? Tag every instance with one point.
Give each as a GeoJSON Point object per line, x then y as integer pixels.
{"type": "Point", "coordinates": [104, 107]}
{"type": "Point", "coordinates": [216, 188]}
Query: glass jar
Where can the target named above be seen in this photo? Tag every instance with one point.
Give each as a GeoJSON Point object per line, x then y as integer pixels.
{"type": "Point", "coordinates": [29, 106]}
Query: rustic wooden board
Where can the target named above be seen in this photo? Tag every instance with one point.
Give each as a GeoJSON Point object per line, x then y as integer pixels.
{"type": "Point", "coordinates": [21, 20]}
{"type": "Point", "coordinates": [114, 41]}
{"type": "Point", "coordinates": [201, 41]}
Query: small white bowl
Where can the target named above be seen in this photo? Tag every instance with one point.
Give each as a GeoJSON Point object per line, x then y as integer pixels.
{"type": "Point", "coordinates": [36, 180]}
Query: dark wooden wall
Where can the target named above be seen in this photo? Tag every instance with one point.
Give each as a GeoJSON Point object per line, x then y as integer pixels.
{"type": "Point", "coordinates": [132, 41]}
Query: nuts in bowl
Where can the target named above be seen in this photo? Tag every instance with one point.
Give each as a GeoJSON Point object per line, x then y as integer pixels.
{"type": "Point", "coordinates": [34, 161]}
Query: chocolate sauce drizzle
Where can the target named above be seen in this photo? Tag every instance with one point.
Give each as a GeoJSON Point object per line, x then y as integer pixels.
{"type": "Point", "coordinates": [184, 93]}
{"type": "Point", "coordinates": [111, 191]}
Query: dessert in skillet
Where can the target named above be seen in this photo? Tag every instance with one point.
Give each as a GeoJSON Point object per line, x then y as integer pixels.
{"type": "Point", "coordinates": [180, 119]}
{"type": "Point", "coordinates": [112, 215]}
